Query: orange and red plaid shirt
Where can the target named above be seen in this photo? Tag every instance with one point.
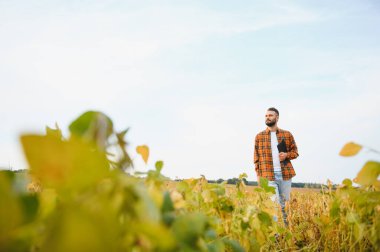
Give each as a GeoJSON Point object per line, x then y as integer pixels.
{"type": "Point", "coordinates": [262, 156]}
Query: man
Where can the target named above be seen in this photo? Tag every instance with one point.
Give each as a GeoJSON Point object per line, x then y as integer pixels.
{"type": "Point", "coordinates": [272, 164]}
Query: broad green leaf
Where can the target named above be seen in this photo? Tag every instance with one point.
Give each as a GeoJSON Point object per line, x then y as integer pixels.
{"type": "Point", "coordinates": [265, 185]}
{"type": "Point", "coordinates": [347, 182]}
{"type": "Point", "coordinates": [265, 218]}
{"type": "Point", "coordinates": [215, 246]}
{"type": "Point", "coordinates": [143, 150]}
{"type": "Point", "coordinates": [210, 234]}
{"type": "Point", "coordinates": [234, 245]}
{"type": "Point", "coordinates": [167, 204]}
{"type": "Point", "coordinates": [243, 175]}
{"type": "Point", "coordinates": [350, 149]}
{"type": "Point", "coordinates": [168, 218]}
{"type": "Point", "coordinates": [92, 125]}
{"type": "Point", "coordinates": [70, 164]}
{"type": "Point", "coordinates": [244, 225]}
{"type": "Point", "coordinates": [159, 165]}
{"type": "Point", "coordinates": [29, 205]}
{"type": "Point", "coordinates": [187, 228]}
{"type": "Point", "coordinates": [368, 174]}
{"type": "Point", "coordinates": [226, 205]}
{"type": "Point", "coordinates": [335, 209]}
{"type": "Point", "coordinates": [183, 186]}
{"type": "Point", "coordinates": [10, 212]}
{"type": "Point", "coordinates": [10, 176]}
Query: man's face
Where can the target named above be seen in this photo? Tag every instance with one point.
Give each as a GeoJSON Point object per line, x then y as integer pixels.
{"type": "Point", "coordinates": [271, 118]}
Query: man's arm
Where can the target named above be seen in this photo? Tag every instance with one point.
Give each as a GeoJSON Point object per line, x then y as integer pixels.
{"type": "Point", "coordinates": [293, 150]}
{"type": "Point", "coordinates": [256, 157]}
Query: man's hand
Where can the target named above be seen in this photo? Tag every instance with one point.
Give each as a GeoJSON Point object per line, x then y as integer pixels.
{"type": "Point", "coordinates": [283, 156]}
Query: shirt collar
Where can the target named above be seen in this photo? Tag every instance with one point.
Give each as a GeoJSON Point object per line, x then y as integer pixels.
{"type": "Point", "coordinates": [267, 130]}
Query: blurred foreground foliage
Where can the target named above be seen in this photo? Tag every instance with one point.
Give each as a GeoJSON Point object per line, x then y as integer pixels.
{"type": "Point", "coordinates": [83, 198]}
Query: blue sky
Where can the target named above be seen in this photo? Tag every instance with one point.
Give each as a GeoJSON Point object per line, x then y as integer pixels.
{"type": "Point", "coordinates": [193, 78]}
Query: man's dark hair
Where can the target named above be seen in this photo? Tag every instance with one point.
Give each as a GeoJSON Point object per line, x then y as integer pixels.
{"type": "Point", "coordinates": [274, 110]}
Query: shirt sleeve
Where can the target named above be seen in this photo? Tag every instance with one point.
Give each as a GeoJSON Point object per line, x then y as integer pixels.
{"type": "Point", "coordinates": [256, 154]}
{"type": "Point", "coordinates": [293, 150]}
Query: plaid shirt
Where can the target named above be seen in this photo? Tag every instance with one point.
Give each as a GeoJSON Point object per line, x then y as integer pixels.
{"type": "Point", "coordinates": [262, 157]}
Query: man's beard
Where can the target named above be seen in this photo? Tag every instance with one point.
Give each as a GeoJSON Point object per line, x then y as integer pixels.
{"type": "Point", "coordinates": [270, 124]}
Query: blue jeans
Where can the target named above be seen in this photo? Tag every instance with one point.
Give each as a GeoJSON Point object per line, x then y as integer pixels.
{"type": "Point", "coordinates": [282, 193]}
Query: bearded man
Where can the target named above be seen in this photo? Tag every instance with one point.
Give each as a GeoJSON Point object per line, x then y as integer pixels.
{"type": "Point", "coordinates": [274, 148]}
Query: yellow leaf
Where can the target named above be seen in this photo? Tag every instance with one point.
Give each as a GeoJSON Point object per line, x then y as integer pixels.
{"type": "Point", "coordinates": [368, 174]}
{"type": "Point", "coordinates": [71, 164]}
{"type": "Point", "coordinates": [350, 149]}
{"type": "Point", "coordinates": [377, 184]}
{"type": "Point", "coordinates": [48, 200]}
{"type": "Point", "coordinates": [143, 150]}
